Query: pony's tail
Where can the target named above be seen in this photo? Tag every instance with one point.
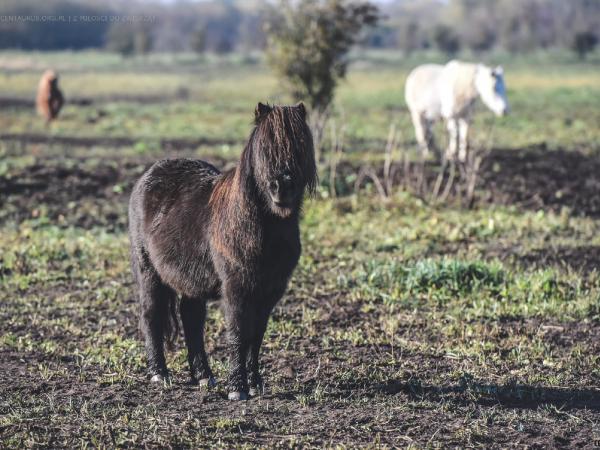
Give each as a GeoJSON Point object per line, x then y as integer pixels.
{"type": "Point", "coordinates": [170, 322]}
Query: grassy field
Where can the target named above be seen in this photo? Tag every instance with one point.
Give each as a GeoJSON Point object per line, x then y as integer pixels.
{"type": "Point", "coordinates": [407, 323]}
{"type": "Point", "coordinates": [553, 102]}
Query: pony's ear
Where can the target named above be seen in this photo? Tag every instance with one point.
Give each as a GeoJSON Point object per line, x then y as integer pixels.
{"type": "Point", "coordinates": [261, 110]}
{"type": "Point", "coordinates": [302, 109]}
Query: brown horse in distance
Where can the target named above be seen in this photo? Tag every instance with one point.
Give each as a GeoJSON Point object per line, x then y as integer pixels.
{"type": "Point", "coordinates": [49, 98]}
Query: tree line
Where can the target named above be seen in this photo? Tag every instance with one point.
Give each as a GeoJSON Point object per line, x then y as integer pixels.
{"type": "Point", "coordinates": [133, 27]}
{"type": "Point", "coordinates": [516, 26]}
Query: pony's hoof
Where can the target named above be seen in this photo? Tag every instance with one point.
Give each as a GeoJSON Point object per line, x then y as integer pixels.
{"type": "Point", "coordinates": [237, 396]}
{"type": "Point", "coordinates": [209, 382]}
{"type": "Point", "coordinates": [158, 378]}
{"type": "Point", "coordinates": [257, 390]}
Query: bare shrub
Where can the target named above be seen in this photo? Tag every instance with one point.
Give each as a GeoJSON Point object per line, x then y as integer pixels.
{"type": "Point", "coordinates": [432, 183]}
{"type": "Point", "coordinates": [335, 155]}
{"type": "Point", "coordinates": [308, 42]}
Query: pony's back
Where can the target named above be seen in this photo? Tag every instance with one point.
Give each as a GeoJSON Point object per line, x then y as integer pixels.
{"type": "Point", "coordinates": [168, 200]}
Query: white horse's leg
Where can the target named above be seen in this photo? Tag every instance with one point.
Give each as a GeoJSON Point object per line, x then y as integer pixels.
{"type": "Point", "coordinates": [421, 132]}
{"type": "Point", "coordinates": [463, 144]}
{"type": "Point", "coordinates": [452, 126]}
{"type": "Point", "coordinates": [429, 137]}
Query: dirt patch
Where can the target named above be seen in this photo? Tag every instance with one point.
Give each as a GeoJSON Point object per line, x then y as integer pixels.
{"type": "Point", "coordinates": [82, 197]}
{"type": "Point", "coordinates": [529, 178]}
{"type": "Point", "coordinates": [60, 387]}
{"type": "Point", "coordinates": [534, 178]}
{"type": "Point", "coordinates": [538, 178]}
{"type": "Point", "coordinates": [23, 102]}
{"type": "Point", "coordinates": [111, 141]}
{"type": "Point", "coordinates": [73, 193]}
{"type": "Point", "coordinates": [309, 400]}
{"type": "Point", "coordinates": [584, 258]}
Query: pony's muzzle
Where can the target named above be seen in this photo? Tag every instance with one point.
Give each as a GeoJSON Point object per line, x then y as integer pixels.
{"type": "Point", "coordinates": [282, 190]}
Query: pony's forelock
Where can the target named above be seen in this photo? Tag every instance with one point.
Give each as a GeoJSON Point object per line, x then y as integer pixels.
{"type": "Point", "coordinates": [282, 141]}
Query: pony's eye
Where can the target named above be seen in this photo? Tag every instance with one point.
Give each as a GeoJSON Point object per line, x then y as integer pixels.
{"type": "Point", "coordinates": [273, 185]}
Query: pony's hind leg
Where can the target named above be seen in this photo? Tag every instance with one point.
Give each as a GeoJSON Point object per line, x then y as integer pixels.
{"type": "Point", "coordinates": [430, 138]}
{"type": "Point", "coordinates": [193, 316]}
{"type": "Point", "coordinates": [155, 299]}
{"type": "Point", "coordinates": [420, 125]}
{"type": "Point", "coordinates": [424, 134]}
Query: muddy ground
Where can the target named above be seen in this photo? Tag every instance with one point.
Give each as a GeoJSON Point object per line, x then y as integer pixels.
{"type": "Point", "coordinates": [353, 395]}
{"type": "Point", "coordinates": [405, 408]}
{"type": "Point", "coordinates": [533, 178]}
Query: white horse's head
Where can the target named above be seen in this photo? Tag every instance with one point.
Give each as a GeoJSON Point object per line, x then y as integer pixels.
{"type": "Point", "coordinates": [490, 85]}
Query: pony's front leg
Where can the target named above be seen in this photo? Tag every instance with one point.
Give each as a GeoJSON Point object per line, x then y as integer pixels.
{"type": "Point", "coordinates": [237, 382]}
{"type": "Point", "coordinates": [255, 379]}
{"type": "Point", "coordinates": [238, 342]}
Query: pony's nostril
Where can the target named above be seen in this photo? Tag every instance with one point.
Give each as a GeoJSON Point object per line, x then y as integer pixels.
{"type": "Point", "coordinates": [287, 181]}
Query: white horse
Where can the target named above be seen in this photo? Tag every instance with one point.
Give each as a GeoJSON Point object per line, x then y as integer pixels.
{"type": "Point", "coordinates": [433, 91]}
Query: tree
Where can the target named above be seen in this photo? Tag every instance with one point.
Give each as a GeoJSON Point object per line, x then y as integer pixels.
{"type": "Point", "coordinates": [584, 42]}
{"type": "Point", "coordinates": [51, 34]}
{"type": "Point", "coordinates": [142, 39]}
{"type": "Point", "coordinates": [308, 44]}
{"type": "Point", "coordinates": [223, 45]}
{"type": "Point", "coordinates": [120, 39]}
{"type": "Point", "coordinates": [410, 37]}
{"type": "Point", "coordinates": [446, 39]}
{"type": "Point", "coordinates": [128, 39]}
{"type": "Point", "coordinates": [198, 41]}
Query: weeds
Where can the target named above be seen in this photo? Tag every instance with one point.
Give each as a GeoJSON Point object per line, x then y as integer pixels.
{"type": "Point", "coordinates": [474, 288]}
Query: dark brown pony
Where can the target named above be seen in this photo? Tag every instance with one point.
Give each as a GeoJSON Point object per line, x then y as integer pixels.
{"type": "Point", "coordinates": [199, 234]}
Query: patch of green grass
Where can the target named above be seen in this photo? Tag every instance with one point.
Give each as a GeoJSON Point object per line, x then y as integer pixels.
{"type": "Point", "coordinates": [454, 276]}
{"type": "Point", "coordinates": [405, 324]}
{"type": "Point", "coordinates": [475, 289]}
